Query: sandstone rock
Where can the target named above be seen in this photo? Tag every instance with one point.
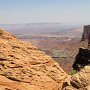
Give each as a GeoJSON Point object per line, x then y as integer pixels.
{"type": "Point", "coordinates": [5, 35]}
{"type": "Point", "coordinates": [69, 88]}
{"type": "Point", "coordinates": [87, 88]}
{"type": "Point", "coordinates": [27, 68]}
{"type": "Point", "coordinates": [80, 80]}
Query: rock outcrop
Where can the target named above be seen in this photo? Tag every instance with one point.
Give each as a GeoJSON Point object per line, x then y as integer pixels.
{"type": "Point", "coordinates": [82, 59]}
{"type": "Point", "coordinates": [79, 81]}
{"type": "Point", "coordinates": [86, 33]}
{"type": "Point", "coordinates": [24, 67]}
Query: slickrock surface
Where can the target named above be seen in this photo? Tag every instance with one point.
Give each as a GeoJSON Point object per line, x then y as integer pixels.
{"type": "Point", "coordinates": [24, 67]}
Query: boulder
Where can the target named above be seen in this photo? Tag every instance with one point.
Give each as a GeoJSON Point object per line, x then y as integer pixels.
{"type": "Point", "coordinates": [80, 80]}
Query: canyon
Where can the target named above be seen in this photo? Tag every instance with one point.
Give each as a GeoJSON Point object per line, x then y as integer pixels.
{"type": "Point", "coordinates": [24, 66]}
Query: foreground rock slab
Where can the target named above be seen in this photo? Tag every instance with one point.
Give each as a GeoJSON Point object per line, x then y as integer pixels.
{"type": "Point", "coordinates": [24, 67]}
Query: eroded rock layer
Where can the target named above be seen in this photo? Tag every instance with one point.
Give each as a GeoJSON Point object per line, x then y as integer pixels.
{"type": "Point", "coordinates": [24, 67]}
{"type": "Point", "coordinates": [78, 81]}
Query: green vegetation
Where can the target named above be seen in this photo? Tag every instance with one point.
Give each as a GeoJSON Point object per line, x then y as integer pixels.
{"type": "Point", "coordinates": [59, 54]}
{"type": "Point", "coordinates": [73, 72]}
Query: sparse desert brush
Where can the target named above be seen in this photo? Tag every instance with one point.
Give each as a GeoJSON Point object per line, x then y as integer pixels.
{"type": "Point", "coordinates": [73, 72]}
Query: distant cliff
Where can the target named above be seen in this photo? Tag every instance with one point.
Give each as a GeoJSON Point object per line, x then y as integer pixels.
{"type": "Point", "coordinates": [86, 33]}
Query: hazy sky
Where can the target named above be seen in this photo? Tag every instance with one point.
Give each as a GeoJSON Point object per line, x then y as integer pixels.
{"type": "Point", "coordinates": [34, 11]}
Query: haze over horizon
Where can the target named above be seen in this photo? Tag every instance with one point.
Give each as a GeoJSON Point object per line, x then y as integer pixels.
{"type": "Point", "coordinates": [40, 11]}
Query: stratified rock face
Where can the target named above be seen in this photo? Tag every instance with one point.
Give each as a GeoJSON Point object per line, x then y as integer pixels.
{"type": "Point", "coordinates": [24, 67]}
{"type": "Point", "coordinates": [86, 33]}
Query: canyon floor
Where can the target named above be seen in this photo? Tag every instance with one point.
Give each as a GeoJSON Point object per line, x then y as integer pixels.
{"type": "Point", "coordinates": [61, 46]}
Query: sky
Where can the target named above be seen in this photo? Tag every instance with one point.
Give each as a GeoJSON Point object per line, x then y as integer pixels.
{"type": "Point", "coordinates": [45, 11]}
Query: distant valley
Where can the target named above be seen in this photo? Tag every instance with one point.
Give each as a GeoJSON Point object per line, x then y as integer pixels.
{"type": "Point", "coordinates": [57, 40]}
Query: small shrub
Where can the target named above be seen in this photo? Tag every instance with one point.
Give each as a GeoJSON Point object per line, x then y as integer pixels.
{"type": "Point", "coordinates": [73, 72]}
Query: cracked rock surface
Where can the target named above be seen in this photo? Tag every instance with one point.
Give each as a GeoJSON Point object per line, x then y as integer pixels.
{"type": "Point", "coordinates": [24, 67]}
